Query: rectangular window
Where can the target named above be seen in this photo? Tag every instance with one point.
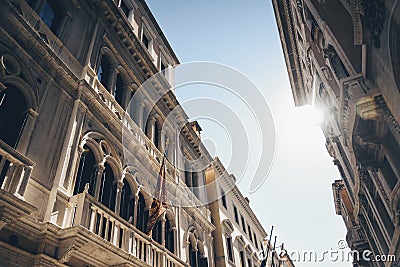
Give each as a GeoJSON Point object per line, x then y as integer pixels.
{"type": "Point", "coordinates": [251, 237]}
{"type": "Point", "coordinates": [229, 248]}
{"type": "Point", "coordinates": [243, 224]}
{"type": "Point", "coordinates": [223, 199]}
{"type": "Point", "coordinates": [235, 211]}
{"type": "Point", "coordinates": [255, 240]}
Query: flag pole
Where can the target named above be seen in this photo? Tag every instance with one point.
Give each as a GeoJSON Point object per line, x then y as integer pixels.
{"type": "Point", "coordinates": [273, 252]}
{"type": "Point", "coordinates": [264, 261]}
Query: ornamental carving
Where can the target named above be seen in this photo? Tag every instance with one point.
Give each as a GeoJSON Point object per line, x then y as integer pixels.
{"type": "Point", "coordinates": [335, 62]}
{"type": "Point", "coordinates": [299, 5]}
{"type": "Point", "coordinates": [373, 17]}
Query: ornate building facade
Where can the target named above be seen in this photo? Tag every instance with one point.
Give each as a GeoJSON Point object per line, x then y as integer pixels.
{"type": "Point", "coordinates": [239, 238]}
{"type": "Point", "coordinates": [343, 57]}
{"type": "Point", "coordinates": [68, 196]}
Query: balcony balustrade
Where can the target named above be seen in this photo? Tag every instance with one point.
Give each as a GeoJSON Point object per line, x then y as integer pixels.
{"type": "Point", "coordinates": [15, 170]}
{"type": "Point", "coordinates": [87, 212]}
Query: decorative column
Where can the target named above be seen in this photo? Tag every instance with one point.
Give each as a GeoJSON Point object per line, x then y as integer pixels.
{"type": "Point", "coordinates": [150, 128]}
{"type": "Point", "coordinates": [99, 169]}
{"type": "Point", "coordinates": [118, 195]}
{"type": "Point", "coordinates": [162, 142]}
{"type": "Point", "coordinates": [135, 208]}
{"type": "Point", "coordinates": [139, 118]}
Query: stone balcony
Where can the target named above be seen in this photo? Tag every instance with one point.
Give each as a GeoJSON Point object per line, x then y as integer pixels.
{"type": "Point", "coordinates": [31, 20]}
{"type": "Point", "coordinates": [355, 239]}
{"type": "Point", "coordinates": [93, 229]}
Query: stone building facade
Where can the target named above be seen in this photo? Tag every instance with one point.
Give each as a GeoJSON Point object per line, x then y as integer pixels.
{"type": "Point", "coordinates": [239, 238]}
{"type": "Point", "coordinates": [68, 196]}
{"type": "Point", "coordinates": [343, 57]}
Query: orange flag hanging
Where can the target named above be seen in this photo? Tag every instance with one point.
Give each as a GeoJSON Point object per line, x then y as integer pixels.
{"type": "Point", "coordinates": [159, 205]}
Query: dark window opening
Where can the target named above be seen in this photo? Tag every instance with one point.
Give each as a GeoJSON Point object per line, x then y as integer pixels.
{"type": "Point", "coordinates": [119, 90]}
{"type": "Point", "coordinates": [108, 188]}
{"type": "Point", "coordinates": [243, 224]}
{"type": "Point", "coordinates": [141, 214]}
{"type": "Point", "coordinates": [250, 235]}
{"type": "Point", "coordinates": [13, 240]}
{"type": "Point", "coordinates": [31, 3]}
{"type": "Point", "coordinates": [192, 256]}
{"type": "Point", "coordinates": [235, 211]}
{"type": "Point", "coordinates": [86, 172]}
{"type": "Point", "coordinates": [223, 199]}
{"type": "Point", "coordinates": [156, 233]}
{"type": "Point", "coordinates": [188, 179]}
{"type": "Point", "coordinates": [229, 247]}
{"type": "Point", "coordinates": [195, 183]}
{"type": "Point", "coordinates": [47, 15]}
{"type": "Point", "coordinates": [13, 113]}
{"type": "Point", "coordinates": [169, 237]}
{"type": "Point", "coordinates": [157, 134]}
{"type": "Point", "coordinates": [52, 15]}
{"type": "Point", "coordinates": [127, 202]}
{"type": "Point", "coordinates": [125, 9]}
{"type": "Point", "coordinates": [103, 73]}
{"type": "Point", "coordinates": [242, 262]}
{"type": "Point", "coordinates": [145, 41]}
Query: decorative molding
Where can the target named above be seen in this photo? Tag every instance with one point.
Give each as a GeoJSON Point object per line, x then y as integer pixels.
{"type": "Point", "coordinates": [380, 102]}
{"type": "Point", "coordinates": [357, 22]}
{"type": "Point", "coordinates": [380, 187]}
{"type": "Point", "coordinates": [373, 13]}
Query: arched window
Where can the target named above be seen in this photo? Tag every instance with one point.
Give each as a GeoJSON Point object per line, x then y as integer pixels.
{"type": "Point", "coordinates": [86, 172]}
{"type": "Point", "coordinates": [52, 15]}
{"type": "Point", "coordinates": [201, 258]}
{"type": "Point", "coordinates": [156, 233]}
{"type": "Point", "coordinates": [127, 202]}
{"type": "Point", "coordinates": [13, 107]}
{"type": "Point", "coordinates": [108, 188]}
{"type": "Point", "coordinates": [104, 72]}
{"type": "Point", "coordinates": [141, 214]}
{"type": "Point", "coordinates": [192, 255]}
{"type": "Point", "coordinates": [119, 90]}
{"type": "Point", "coordinates": [169, 237]}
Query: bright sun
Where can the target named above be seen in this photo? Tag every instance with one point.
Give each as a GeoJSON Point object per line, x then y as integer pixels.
{"type": "Point", "coordinates": [310, 116]}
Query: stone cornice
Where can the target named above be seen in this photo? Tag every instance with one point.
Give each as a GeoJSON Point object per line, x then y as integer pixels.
{"type": "Point", "coordinates": [285, 23]}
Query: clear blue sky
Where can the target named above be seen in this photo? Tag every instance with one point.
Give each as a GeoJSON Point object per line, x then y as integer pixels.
{"type": "Point", "coordinates": [297, 197]}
